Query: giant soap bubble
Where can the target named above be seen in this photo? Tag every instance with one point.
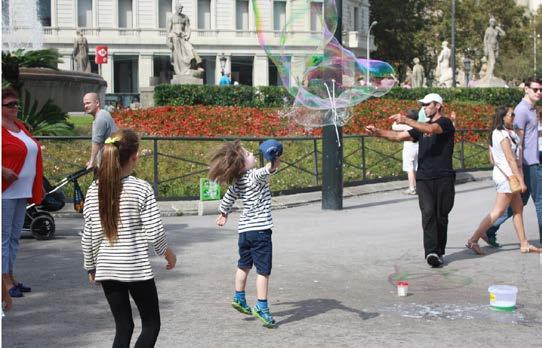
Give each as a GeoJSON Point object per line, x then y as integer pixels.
{"type": "Point", "coordinates": [328, 83]}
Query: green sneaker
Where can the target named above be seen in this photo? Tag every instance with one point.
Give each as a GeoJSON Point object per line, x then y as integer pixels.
{"type": "Point", "coordinates": [241, 306]}
{"type": "Point", "coordinates": [264, 315]}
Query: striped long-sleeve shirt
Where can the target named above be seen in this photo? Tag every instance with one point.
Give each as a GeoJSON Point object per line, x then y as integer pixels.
{"type": "Point", "coordinates": [253, 189]}
{"type": "Point", "coordinates": [127, 259]}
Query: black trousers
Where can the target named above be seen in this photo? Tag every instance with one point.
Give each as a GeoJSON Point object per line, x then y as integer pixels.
{"type": "Point", "coordinates": [146, 299]}
{"type": "Point", "coordinates": [436, 198]}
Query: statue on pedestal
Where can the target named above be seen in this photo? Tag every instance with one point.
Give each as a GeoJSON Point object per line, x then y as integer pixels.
{"type": "Point", "coordinates": [417, 74]}
{"type": "Point", "coordinates": [491, 53]}
{"type": "Point", "coordinates": [491, 44]}
{"type": "Point", "coordinates": [444, 71]}
{"type": "Point", "coordinates": [184, 58]}
{"type": "Point", "coordinates": [80, 53]}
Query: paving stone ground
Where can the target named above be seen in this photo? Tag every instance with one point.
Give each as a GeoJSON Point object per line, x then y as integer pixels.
{"type": "Point", "coordinates": [332, 282]}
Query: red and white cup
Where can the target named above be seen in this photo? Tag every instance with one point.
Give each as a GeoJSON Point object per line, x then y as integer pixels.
{"type": "Point", "coordinates": [402, 289]}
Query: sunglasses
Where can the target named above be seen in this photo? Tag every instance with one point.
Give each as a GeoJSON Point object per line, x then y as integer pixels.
{"type": "Point", "coordinates": [426, 104]}
{"type": "Point", "coordinates": [12, 105]}
{"type": "Point", "coordinates": [536, 90]}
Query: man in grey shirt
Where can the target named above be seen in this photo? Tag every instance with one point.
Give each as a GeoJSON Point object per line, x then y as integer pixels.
{"type": "Point", "coordinates": [526, 124]}
{"type": "Point", "coordinates": [102, 126]}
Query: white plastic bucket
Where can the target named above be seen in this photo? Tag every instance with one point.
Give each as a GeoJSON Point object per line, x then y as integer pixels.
{"type": "Point", "coordinates": [502, 297]}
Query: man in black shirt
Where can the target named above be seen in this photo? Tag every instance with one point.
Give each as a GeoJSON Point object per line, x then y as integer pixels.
{"type": "Point", "coordinates": [435, 177]}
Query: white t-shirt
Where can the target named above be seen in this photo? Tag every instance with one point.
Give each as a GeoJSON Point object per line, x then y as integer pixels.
{"type": "Point", "coordinates": [409, 145]}
{"type": "Point", "coordinates": [22, 187]}
{"type": "Point", "coordinates": [498, 155]}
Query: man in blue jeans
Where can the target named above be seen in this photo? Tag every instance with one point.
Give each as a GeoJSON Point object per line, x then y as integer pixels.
{"type": "Point", "coordinates": [526, 124]}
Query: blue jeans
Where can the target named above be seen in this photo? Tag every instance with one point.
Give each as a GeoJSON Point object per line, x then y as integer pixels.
{"type": "Point", "coordinates": [533, 180]}
{"type": "Point", "coordinates": [13, 211]}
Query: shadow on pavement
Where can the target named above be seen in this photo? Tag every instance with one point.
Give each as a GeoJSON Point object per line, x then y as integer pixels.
{"type": "Point", "coordinates": [313, 307]}
{"type": "Point", "coordinates": [464, 253]}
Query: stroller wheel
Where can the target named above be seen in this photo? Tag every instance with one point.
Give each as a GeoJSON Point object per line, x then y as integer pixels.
{"type": "Point", "coordinates": [43, 226]}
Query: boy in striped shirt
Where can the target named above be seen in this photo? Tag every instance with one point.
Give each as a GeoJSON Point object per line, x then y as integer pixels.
{"type": "Point", "coordinates": [234, 165]}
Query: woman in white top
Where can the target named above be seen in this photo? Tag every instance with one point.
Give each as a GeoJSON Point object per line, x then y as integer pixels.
{"type": "Point", "coordinates": [410, 153]}
{"type": "Point", "coordinates": [22, 182]}
{"type": "Point", "coordinates": [121, 219]}
{"type": "Point", "coordinates": [505, 154]}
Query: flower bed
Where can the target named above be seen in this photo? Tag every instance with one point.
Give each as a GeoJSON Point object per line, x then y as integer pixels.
{"type": "Point", "coordinates": [216, 121]}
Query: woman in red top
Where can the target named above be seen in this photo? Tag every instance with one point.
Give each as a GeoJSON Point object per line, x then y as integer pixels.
{"type": "Point", "coordinates": [22, 182]}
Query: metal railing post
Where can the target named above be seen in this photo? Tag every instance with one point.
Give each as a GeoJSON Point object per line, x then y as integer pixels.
{"type": "Point", "coordinates": [155, 167]}
{"type": "Point", "coordinates": [363, 164]}
{"type": "Point", "coordinates": [462, 158]}
{"type": "Point", "coordinates": [315, 147]}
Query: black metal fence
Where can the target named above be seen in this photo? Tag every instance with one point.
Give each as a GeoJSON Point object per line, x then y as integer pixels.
{"type": "Point", "coordinates": [173, 165]}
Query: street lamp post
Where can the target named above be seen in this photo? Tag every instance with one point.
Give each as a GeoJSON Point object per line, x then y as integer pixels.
{"type": "Point", "coordinates": [367, 82]}
{"type": "Point", "coordinates": [467, 66]}
{"type": "Point", "coordinates": [332, 151]}
{"type": "Point", "coordinates": [453, 45]}
{"type": "Point", "coordinates": [535, 44]}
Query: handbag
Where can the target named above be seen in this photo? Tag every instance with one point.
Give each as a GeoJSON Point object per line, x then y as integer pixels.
{"type": "Point", "coordinates": [513, 181]}
{"type": "Point", "coordinates": [78, 197]}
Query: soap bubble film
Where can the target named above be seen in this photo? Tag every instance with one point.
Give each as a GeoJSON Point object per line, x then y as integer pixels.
{"type": "Point", "coordinates": [328, 83]}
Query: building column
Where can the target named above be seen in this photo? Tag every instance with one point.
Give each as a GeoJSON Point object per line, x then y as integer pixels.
{"type": "Point", "coordinates": [67, 62]}
{"type": "Point", "coordinates": [260, 71]}
{"type": "Point", "coordinates": [218, 69]}
{"type": "Point", "coordinates": [297, 69]}
{"type": "Point", "coordinates": [107, 73]}
{"type": "Point", "coordinates": [54, 20]}
{"type": "Point", "coordinates": [146, 70]}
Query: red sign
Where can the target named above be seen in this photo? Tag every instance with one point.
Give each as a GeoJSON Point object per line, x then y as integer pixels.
{"type": "Point", "coordinates": [101, 55]}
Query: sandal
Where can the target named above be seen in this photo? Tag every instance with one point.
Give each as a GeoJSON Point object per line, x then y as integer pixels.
{"type": "Point", "coordinates": [474, 247]}
{"type": "Point", "coordinates": [530, 249]}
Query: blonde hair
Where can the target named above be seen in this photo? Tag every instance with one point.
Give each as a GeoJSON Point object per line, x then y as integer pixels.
{"type": "Point", "coordinates": [116, 153]}
{"type": "Point", "coordinates": [227, 162]}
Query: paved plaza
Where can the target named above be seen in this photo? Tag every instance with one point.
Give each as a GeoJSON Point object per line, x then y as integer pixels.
{"type": "Point", "coordinates": [331, 285]}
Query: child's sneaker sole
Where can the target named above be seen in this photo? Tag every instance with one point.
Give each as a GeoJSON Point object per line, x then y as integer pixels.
{"type": "Point", "coordinates": [265, 322]}
{"type": "Point", "coordinates": [240, 308]}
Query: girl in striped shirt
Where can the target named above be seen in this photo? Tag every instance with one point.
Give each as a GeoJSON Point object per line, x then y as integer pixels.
{"type": "Point", "coordinates": [234, 165]}
{"type": "Point", "coordinates": [121, 218]}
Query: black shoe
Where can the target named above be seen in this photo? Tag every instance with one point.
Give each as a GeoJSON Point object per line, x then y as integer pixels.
{"type": "Point", "coordinates": [433, 260]}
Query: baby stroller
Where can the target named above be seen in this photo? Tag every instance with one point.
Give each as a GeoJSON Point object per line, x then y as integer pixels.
{"type": "Point", "coordinates": [38, 220]}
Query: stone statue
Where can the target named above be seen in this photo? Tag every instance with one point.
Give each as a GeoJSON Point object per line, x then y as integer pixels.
{"type": "Point", "coordinates": [483, 68]}
{"type": "Point", "coordinates": [80, 53]}
{"type": "Point", "coordinates": [417, 74]}
{"type": "Point", "coordinates": [491, 45]}
{"type": "Point", "coordinates": [184, 58]}
{"type": "Point", "coordinates": [444, 71]}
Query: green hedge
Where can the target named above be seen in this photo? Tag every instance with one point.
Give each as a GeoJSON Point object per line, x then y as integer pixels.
{"type": "Point", "coordinates": [272, 96]}
{"type": "Point", "coordinates": [246, 96]}
{"type": "Point", "coordinates": [492, 96]}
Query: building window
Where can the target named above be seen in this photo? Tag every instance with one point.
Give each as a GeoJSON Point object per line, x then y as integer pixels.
{"type": "Point", "coordinates": [126, 14]}
{"type": "Point", "coordinates": [84, 13]}
{"type": "Point", "coordinates": [204, 14]}
{"type": "Point", "coordinates": [164, 10]}
{"type": "Point", "coordinates": [44, 12]}
{"type": "Point", "coordinates": [357, 26]}
{"type": "Point", "coordinates": [241, 15]}
{"type": "Point", "coordinates": [316, 16]}
{"type": "Point", "coordinates": [279, 15]}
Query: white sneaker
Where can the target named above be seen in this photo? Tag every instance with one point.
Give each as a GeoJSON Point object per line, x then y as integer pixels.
{"type": "Point", "coordinates": [410, 191]}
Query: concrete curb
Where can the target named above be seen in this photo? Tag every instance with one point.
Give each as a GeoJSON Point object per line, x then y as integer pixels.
{"type": "Point", "coordinates": [179, 208]}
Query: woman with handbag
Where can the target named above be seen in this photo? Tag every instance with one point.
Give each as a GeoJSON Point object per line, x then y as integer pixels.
{"type": "Point", "coordinates": [505, 154]}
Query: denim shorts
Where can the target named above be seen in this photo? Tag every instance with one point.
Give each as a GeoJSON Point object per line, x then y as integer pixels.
{"type": "Point", "coordinates": [256, 248]}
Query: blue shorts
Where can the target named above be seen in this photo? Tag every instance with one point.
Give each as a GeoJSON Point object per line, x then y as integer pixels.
{"type": "Point", "coordinates": [255, 247]}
